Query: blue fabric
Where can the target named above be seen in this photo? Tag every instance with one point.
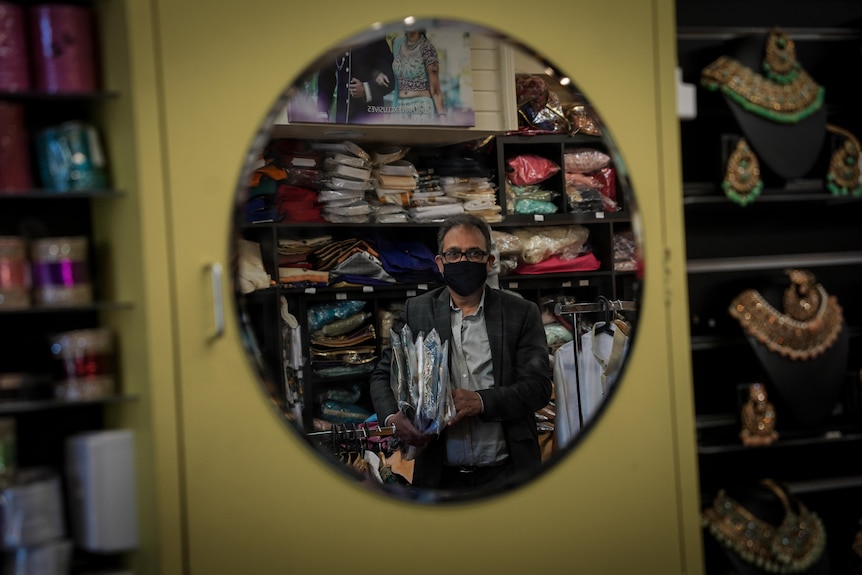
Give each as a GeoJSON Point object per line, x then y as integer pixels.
{"type": "Point", "coordinates": [408, 261]}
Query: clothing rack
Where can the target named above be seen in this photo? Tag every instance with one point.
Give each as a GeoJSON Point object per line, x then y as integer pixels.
{"type": "Point", "coordinates": [347, 438]}
{"type": "Point", "coordinates": [602, 304]}
{"type": "Point", "coordinates": [356, 433]}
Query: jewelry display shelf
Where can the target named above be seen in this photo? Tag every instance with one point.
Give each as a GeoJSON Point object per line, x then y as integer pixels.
{"type": "Point", "coordinates": [710, 195]}
{"type": "Point", "coordinates": [835, 436]}
{"type": "Point", "coordinates": [758, 263]}
{"type": "Point", "coordinates": [747, 238]}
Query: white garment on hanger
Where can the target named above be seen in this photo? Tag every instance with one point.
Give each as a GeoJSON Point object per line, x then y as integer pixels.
{"type": "Point", "coordinates": [588, 381]}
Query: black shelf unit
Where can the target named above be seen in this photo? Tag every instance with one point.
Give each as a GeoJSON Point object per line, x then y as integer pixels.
{"type": "Point", "coordinates": [794, 223]}
{"type": "Point", "coordinates": [261, 308]}
{"type": "Point", "coordinates": [42, 422]}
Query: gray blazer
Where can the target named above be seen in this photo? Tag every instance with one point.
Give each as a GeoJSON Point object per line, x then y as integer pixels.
{"type": "Point", "coordinates": [522, 383]}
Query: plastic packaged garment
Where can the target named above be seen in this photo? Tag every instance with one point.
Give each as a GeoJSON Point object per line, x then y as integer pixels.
{"type": "Point", "coordinates": [322, 314]}
{"type": "Point", "coordinates": [419, 378]}
{"type": "Point", "coordinates": [585, 159]}
{"type": "Point", "coordinates": [529, 169]}
{"type": "Point", "coordinates": [562, 241]}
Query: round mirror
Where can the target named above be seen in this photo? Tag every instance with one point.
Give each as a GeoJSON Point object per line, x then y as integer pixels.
{"type": "Point", "coordinates": [436, 260]}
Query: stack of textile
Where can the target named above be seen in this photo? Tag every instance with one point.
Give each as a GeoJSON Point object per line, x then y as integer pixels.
{"type": "Point", "coordinates": [477, 195]}
{"type": "Point", "coordinates": [347, 176]}
{"type": "Point", "coordinates": [295, 262]}
{"type": "Point", "coordinates": [352, 261]}
{"type": "Point", "coordinates": [526, 190]}
{"type": "Point", "coordinates": [395, 181]}
{"type": "Point", "coordinates": [284, 186]}
{"type": "Point", "coordinates": [590, 180]}
{"type": "Point", "coordinates": [343, 338]}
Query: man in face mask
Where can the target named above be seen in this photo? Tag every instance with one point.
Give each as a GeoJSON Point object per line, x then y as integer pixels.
{"type": "Point", "coordinates": [499, 370]}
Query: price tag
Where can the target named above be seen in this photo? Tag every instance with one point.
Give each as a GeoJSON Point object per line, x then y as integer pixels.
{"type": "Point", "coordinates": [311, 290]}
{"type": "Point", "coordinates": [600, 215]}
{"type": "Point", "coordinates": [566, 284]}
{"type": "Point", "coordinates": [584, 282]}
{"type": "Point", "coordinates": [423, 287]}
{"type": "Point", "coordinates": [513, 285]}
{"type": "Point", "coordinates": [538, 217]}
{"type": "Point", "coordinates": [341, 296]}
{"type": "Point", "coordinates": [367, 289]}
{"type": "Point", "coordinates": [411, 292]}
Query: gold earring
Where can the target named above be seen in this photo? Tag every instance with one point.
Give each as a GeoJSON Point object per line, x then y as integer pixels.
{"type": "Point", "coordinates": [844, 173]}
{"type": "Point", "coordinates": [742, 182]}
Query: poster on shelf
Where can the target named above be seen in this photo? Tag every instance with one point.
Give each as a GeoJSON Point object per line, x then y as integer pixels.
{"type": "Point", "coordinates": [415, 77]}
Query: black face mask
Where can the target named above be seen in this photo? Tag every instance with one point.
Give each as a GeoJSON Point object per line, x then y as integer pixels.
{"type": "Point", "coordinates": [465, 277]}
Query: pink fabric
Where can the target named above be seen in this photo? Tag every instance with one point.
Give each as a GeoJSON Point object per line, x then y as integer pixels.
{"type": "Point", "coordinates": [583, 263]}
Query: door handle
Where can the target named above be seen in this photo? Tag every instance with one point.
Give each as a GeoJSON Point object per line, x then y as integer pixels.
{"type": "Point", "coordinates": [215, 270]}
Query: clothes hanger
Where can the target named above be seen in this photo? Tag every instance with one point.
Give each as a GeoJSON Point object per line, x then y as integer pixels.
{"type": "Point", "coordinates": [607, 326]}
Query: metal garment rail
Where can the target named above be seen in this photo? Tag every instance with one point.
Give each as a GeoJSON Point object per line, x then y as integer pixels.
{"type": "Point", "coordinates": [575, 309]}
{"type": "Point", "coordinates": [354, 433]}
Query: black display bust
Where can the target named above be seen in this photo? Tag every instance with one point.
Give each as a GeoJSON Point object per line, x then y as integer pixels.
{"type": "Point", "coordinates": [809, 389]}
{"type": "Point", "coordinates": [789, 150]}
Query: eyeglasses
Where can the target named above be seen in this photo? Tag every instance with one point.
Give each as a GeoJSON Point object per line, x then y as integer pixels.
{"type": "Point", "coordinates": [474, 255]}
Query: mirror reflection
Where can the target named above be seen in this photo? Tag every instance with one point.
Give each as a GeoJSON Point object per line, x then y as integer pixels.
{"type": "Point", "coordinates": [436, 260]}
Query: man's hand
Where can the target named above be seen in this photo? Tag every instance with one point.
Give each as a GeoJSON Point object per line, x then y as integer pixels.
{"type": "Point", "coordinates": [357, 90]}
{"type": "Point", "coordinates": [467, 403]}
{"type": "Point", "coordinates": [407, 432]}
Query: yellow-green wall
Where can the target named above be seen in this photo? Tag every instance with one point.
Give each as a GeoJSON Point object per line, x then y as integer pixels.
{"type": "Point", "coordinates": [233, 491]}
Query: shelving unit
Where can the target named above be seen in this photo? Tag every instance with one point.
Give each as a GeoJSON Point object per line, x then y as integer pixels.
{"type": "Point", "coordinates": [793, 224]}
{"type": "Point", "coordinates": [262, 306]}
{"type": "Point", "coordinates": [44, 421]}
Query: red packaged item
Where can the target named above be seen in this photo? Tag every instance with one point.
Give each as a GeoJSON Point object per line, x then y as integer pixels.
{"type": "Point", "coordinates": [528, 169]}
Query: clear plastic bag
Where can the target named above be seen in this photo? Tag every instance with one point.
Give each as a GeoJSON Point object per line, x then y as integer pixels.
{"type": "Point", "coordinates": [529, 169]}
{"type": "Point", "coordinates": [585, 159]}
{"type": "Point", "coordinates": [322, 314]}
{"type": "Point", "coordinates": [563, 241]}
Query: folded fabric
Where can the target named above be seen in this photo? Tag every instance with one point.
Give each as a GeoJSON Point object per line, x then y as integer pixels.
{"type": "Point", "coordinates": [250, 271]}
{"type": "Point", "coordinates": [345, 147]}
{"type": "Point", "coordinates": [398, 168]}
{"type": "Point", "coordinates": [556, 264]}
{"type": "Point", "coordinates": [337, 183]}
{"type": "Point", "coordinates": [363, 264]}
{"type": "Point", "coordinates": [302, 277]}
{"type": "Point", "coordinates": [302, 245]}
{"type": "Point", "coordinates": [343, 171]}
{"type": "Point", "coordinates": [396, 182]}
{"type": "Point", "coordinates": [324, 313]}
{"type": "Point", "coordinates": [435, 212]}
{"type": "Point", "coordinates": [343, 326]}
{"type": "Point", "coordinates": [409, 261]}
{"type": "Point", "coordinates": [347, 160]}
{"type": "Point", "coordinates": [363, 334]}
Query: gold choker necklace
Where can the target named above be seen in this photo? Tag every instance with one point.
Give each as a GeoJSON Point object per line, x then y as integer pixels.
{"type": "Point", "coordinates": [810, 323]}
{"type": "Point", "coordinates": [783, 103]}
{"type": "Point", "coordinates": [791, 547]}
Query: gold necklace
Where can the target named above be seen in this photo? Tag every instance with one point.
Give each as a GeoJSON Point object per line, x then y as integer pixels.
{"type": "Point", "coordinates": [810, 323]}
{"type": "Point", "coordinates": [790, 547]}
{"type": "Point", "coordinates": [787, 103]}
